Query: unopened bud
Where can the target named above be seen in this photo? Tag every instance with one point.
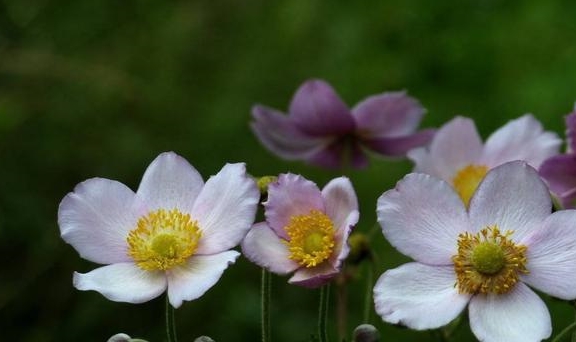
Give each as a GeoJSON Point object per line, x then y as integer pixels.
{"type": "Point", "coordinates": [359, 248]}
{"type": "Point", "coordinates": [365, 333]}
{"type": "Point", "coordinates": [203, 339]}
{"type": "Point", "coordinates": [119, 338]}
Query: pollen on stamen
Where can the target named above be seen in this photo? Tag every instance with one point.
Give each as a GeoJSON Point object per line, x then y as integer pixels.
{"type": "Point", "coordinates": [467, 180]}
{"type": "Point", "coordinates": [311, 238]}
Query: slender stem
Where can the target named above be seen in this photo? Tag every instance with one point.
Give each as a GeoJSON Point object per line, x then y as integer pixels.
{"type": "Point", "coordinates": [564, 332]}
{"type": "Point", "coordinates": [342, 303]}
{"type": "Point", "coordinates": [368, 295]}
{"type": "Point", "coordinates": [323, 312]}
{"type": "Point", "coordinates": [170, 322]}
{"type": "Point", "coordinates": [265, 302]}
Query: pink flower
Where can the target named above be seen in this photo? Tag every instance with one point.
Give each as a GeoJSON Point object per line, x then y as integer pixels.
{"type": "Point", "coordinates": [321, 130]}
{"type": "Point", "coordinates": [173, 234]}
{"type": "Point", "coordinates": [485, 257]}
{"type": "Point", "coordinates": [306, 230]}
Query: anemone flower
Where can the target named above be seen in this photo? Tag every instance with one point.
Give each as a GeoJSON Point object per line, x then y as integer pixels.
{"type": "Point", "coordinates": [560, 171]}
{"type": "Point", "coordinates": [321, 130]}
{"type": "Point", "coordinates": [486, 257]}
{"type": "Point", "coordinates": [305, 231]}
{"type": "Point", "coordinates": [457, 155]}
{"type": "Point", "coordinates": [173, 234]}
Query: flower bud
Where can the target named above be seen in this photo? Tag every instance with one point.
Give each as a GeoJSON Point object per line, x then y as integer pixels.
{"type": "Point", "coordinates": [263, 183]}
{"type": "Point", "coordinates": [359, 248]}
{"type": "Point", "coordinates": [365, 333]}
{"type": "Point", "coordinates": [121, 337]}
{"type": "Point", "coordinates": [203, 339]}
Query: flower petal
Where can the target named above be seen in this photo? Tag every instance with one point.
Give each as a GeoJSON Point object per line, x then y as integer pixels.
{"type": "Point", "coordinates": [225, 209]}
{"type": "Point", "coordinates": [198, 275]}
{"type": "Point", "coordinates": [170, 182]}
{"type": "Point", "coordinates": [422, 217]}
{"type": "Point", "coordinates": [517, 316]}
{"type": "Point", "coordinates": [314, 277]}
{"type": "Point", "coordinates": [290, 195]}
{"type": "Point", "coordinates": [264, 248]}
{"type": "Point", "coordinates": [341, 247]}
{"type": "Point", "coordinates": [559, 172]}
{"type": "Point", "coordinates": [330, 157]}
{"type": "Point", "coordinates": [339, 200]}
{"type": "Point", "coordinates": [123, 282]}
{"type": "Point", "coordinates": [96, 218]}
{"type": "Point", "coordinates": [570, 120]}
{"type": "Point", "coordinates": [551, 255]}
{"type": "Point", "coordinates": [391, 114]}
{"type": "Point", "coordinates": [513, 197]}
{"type": "Point", "coordinates": [317, 110]}
{"type": "Point", "coordinates": [520, 139]}
{"type": "Point", "coordinates": [399, 146]}
{"type": "Point", "coordinates": [419, 296]}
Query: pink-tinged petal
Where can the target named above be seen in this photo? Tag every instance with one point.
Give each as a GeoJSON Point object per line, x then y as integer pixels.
{"type": "Point", "coordinates": [341, 247]}
{"type": "Point", "coordinates": [264, 248]}
{"type": "Point", "coordinates": [358, 157]}
{"type": "Point", "coordinates": [96, 218]}
{"type": "Point", "coordinates": [331, 156]}
{"type": "Point", "coordinates": [520, 139]}
{"type": "Point", "coordinates": [339, 201]}
{"type": "Point", "coordinates": [191, 280]}
{"type": "Point", "coordinates": [170, 182]}
{"type": "Point", "coordinates": [419, 296]}
{"type": "Point", "coordinates": [124, 282]}
{"type": "Point", "coordinates": [422, 217]}
{"type": "Point", "coordinates": [317, 110]}
{"type": "Point", "coordinates": [559, 172]}
{"type": "Point", "coordinates": [225, 209]}
{"type": "Point", "coordinates": [455, 145]}
{"type": "Point", "coordinates": [399, 146]}
{"type": "Point", "coordinates": [392, 114]}
{"type": "Point", "coordinates": [279, 135]}
{"type": "Point", "coordinates": [551, 256]}
{"type": "Point", "coordinates": [571, 130]}
{"type": "Point", "coordinates": [314, 277]}
{"type": "Point", "coordinates": [513, 197]}
{"type": "Point", "coordinates": [517, 316]}
{"type": "Point", "coordinates": [291, 195]}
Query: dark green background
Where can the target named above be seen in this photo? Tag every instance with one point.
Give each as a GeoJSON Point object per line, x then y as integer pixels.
{"type": "Point", "coordinates": [99, 88]}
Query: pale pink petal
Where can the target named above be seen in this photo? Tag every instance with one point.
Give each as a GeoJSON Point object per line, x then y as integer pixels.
{"type": "Point", "coordinates": [419, 296]}
{"type": "Point", "coordinates": [170, 182]}
{"type": "Point", "coordinates": [314, 276]}
{"type": "Point", "coordinates": [317, 110]}
{"type": "Point", "coordinates": [520, 139]}
{"type": "Point", "coordinates": [391, 114]}
{"type": "Point", "coordinates": [559, 172]}
{"type": "Point", "coordinates": [422, 217]}
{"type": "Point", "coordinates": [551, 256]}
{"type": "Point", "coordinates": [225, 209]}
{"type": "Point", "coordinates": [341, 247]}
{"type": "Point", "coordinates": [399, 146]}
{"type": "Point", "coordinates": [570, 120]}
{"type": "Point", "coordinates": [96, 218]}
{"type": "Point", "coordinates": [339, 201]}
{"type": "Point", "coordinates": [264, 248]}
{"type": "Point", "coordinates": [191, 280]}
{"type": "Point", "coordinates": [513, 197]}
{"type": "Point", "coordinates": [455, 145]}
{"type": "Point", "coordinates": [290, 195]}
{"type": "Point", "coordinates": [123, 282]}
{"type": "Point", "coordinates": [332, 156]}
{"type": "Point", "coordinates": [517, 316]}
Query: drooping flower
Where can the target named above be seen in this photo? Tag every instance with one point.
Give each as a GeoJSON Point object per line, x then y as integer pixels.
{"type": "Point", "coordinates": [560, 171]}
{"type": "Point", "coordinates": [175, 233]}
{"type": "Point", "coordinates": [485, 257]}
{"type": "Point", "coordinates": [322, 130]}
{"type": "Point", "coordinates": [457, 155]}
{"type": "Point", "coordinates": [305, 231]}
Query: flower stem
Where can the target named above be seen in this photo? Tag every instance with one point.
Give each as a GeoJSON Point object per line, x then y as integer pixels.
{"type": "Point", "coordinates": [170, 322]}
{"type": "Point", "coordinates": [368, 295]}
{"type": "Point", "coordinates": [265, 302]}
{"type": "Point", "coordinates": [323, 312]}
{"type": "Point", "coordinates": [564, 332]}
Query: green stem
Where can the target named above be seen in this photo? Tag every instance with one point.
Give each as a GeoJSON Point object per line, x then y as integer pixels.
{"type": "Point", "coordinates": [368, 295]}
{"type": "Point", "coordinates": [170, 322]}
{"type": "Point", "coordinates": [265, 302]}
{"type": "Point", "coordinates": [564, 332]}
{"type": "Point", "coordinates": [323, 312]}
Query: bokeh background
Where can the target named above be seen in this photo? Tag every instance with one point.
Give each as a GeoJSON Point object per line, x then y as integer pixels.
{"type": "Point", "coordinates": [100, 88]}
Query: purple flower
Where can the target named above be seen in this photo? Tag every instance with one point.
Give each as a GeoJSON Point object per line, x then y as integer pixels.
{"type": "Point", "coordinates": [322, 130]}
{"type": "Point", "coordinates": [306, 230]}
{"type": "Point", "coordinates": [560, 171]}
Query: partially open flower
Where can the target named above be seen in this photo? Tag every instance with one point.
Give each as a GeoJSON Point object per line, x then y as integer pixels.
{"type": "Point", "coordinates": [175, 233]}
{"type": "Point", "coordinates": [306, 230]}
{"type": "Point", "coordinates": [322, 130]}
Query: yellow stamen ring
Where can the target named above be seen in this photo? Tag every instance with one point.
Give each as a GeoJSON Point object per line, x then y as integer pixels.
{"type": "Point", "coordinates": [311, 238]}
{"type": "Point", "coordinates": [467, 179]}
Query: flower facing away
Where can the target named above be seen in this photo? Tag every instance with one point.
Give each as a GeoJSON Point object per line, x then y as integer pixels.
{"type": "Point", "coordinates": [484, 257]}
{"type": "Point", "coordinates": [306, 230]}
{"type": "Point", "coordinates": [560, 171]}
{"type": "Point", "coordinates": [322, 130]}
{"type": "Point", "coordinates": [457, 155]}
{"type": "Point", "coordinates": [175, 233]}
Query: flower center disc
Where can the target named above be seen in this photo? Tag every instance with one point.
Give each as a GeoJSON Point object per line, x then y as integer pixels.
{"type": "Point", "coordinates": [311, 238]}
{"type": "Point", "coordinates": [163, 239]}
{"type": "Point", "coordinates": [467, 180]}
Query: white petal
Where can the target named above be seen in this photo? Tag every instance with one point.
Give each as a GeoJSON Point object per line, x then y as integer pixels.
{"type": "Point", "coordinates": [96, 219]}
{"type": "Point", "coordinates": [521, 139]}
{"type": "Point", "coordinates": [200, 273]}
{"type": "Point", "coordinates": [551, 256]}
{"type": "Point", "coordinates": [513, 197]}
{"type": "Point", "coordinates": [314, 277]}
{"type": "Point", "coordinates": [170, 182]}
{"type": "Point", "coordinates": [517, 316]}
{"type": "Point", "coordinates": [339, 201]}
{"type": "Point", "coordinates": [225, 209]}
{"type": "Point", "coordinates": [263, 247]}
{"type": "Point", "coordinates": [419, 296]}
{"type": "Point", "coordinates": [422, 217]}
{"type": "Point", "coordinates": [123, 282]}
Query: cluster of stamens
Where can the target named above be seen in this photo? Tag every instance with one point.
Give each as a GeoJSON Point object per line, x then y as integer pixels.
{"type": "Point", "coordinates": [311, 238]}
{"type": "Point", "coordinates": [467, 180]}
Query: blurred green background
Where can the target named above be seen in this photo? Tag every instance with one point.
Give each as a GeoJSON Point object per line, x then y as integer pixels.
{"type": "Point", "coordinates": [100, 88]}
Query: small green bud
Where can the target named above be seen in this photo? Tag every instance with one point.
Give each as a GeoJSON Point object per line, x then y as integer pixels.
{"type": "Point", "coordinates": [359, 248]}
{"type": "Point", "coordinates": [203, 339]}
{"type": "Point", "coordinates": [365, 333]}
{"type": "Point", "coordinates": [263, 183]}
{"type": "Point", "coordinates": [121, 337]}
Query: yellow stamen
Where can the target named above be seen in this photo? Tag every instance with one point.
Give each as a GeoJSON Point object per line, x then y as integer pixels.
{"type": "Point", "coordinates": [467, 180]}
{"type": "Point", "coordinates": [311, 238]}
{"type": "Point", "coordinates": [488, 262]}
{"type": "Point", "coordinates": [163, 239]}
